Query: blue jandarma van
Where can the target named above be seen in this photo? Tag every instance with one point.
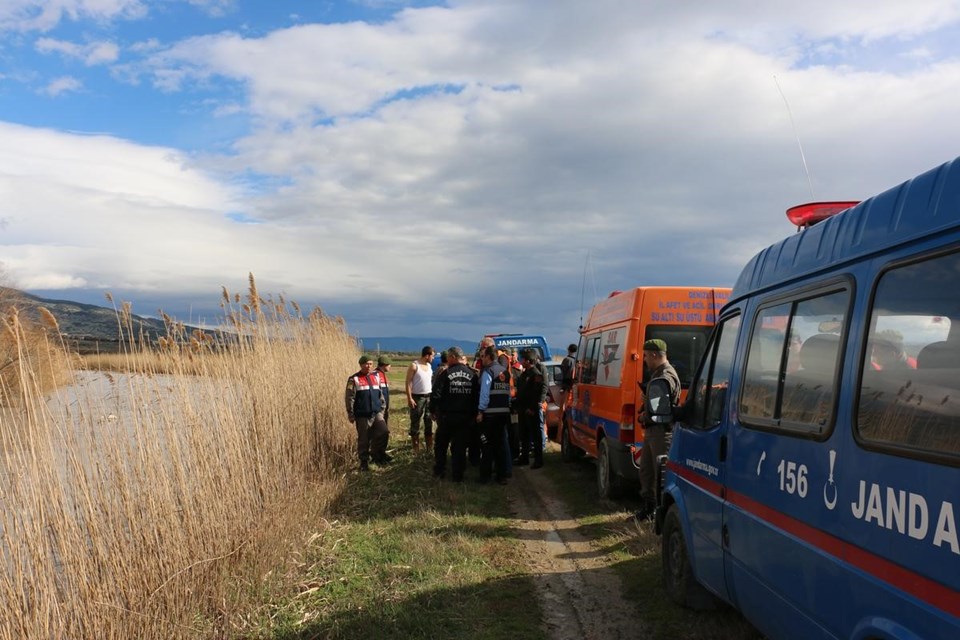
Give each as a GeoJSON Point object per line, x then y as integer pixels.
{"type": "Point", "coordinates": [813, 480]}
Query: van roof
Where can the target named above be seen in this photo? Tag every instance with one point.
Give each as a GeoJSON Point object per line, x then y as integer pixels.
{"type": "Point", "coordinates": [926, 204]}
{"type": "Point", "coordinates": [620, 306]}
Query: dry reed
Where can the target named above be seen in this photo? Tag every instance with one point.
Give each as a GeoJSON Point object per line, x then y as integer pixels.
{"type": "Point", "coordinates": [146, 503]}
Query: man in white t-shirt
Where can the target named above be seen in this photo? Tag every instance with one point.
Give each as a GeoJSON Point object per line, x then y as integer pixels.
{"type": "Point", "coordinates": [419, 386]}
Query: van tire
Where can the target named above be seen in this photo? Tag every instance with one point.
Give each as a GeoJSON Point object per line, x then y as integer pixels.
{"type": "Point", "coordinates": [609, 484]}
{"type": "Point", "coordinates": [678, 580]}
{"type": "Point", "coordinates": [568, 452]}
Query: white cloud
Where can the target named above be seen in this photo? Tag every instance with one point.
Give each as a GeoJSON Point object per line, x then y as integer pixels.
{"type": "Point", "coordinates": [102, 213]}
{"type": "Point", "coordinates": [463, 161]}
{"type": "Point", "coordinates": [215, 7]}
{"type": "Point", "coordinates": [43, 281]}
{"type": "Point", "coordinates": [91, 54]}
{"type": "Point", "coordinates": [61, 85]}
{"type": "Point", "coordinates": [44, 15]}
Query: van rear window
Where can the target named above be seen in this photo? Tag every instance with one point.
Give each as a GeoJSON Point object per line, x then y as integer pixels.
{"type": "Point", "coordinates": [910, 373]}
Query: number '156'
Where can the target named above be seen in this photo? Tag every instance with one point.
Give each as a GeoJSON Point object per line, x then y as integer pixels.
{"type": "Point", "coordinates": [793, 478]}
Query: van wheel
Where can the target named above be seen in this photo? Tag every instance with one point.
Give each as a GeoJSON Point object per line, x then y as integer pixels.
{"type": "Point", "coordinates": [678, 580]}
{"type": "Point", "coordinates": [568, 452]}
{"type": "Point", "coordinates": [609, 484]}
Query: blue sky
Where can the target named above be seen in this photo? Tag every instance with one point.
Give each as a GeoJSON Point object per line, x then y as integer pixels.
{"type": "Point", "coordinates": [445, 168]}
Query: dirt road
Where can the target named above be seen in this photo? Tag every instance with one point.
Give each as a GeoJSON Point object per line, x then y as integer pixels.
{"type": "Point", "coordinates": [580, 593]}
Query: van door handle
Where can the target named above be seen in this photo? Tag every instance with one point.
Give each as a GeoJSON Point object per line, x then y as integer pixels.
{"type": "Point", "coordinates": [723, 448]}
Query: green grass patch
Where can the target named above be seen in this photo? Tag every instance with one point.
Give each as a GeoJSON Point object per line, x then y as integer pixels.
{"type": "Point", "coordinates": [408, 556]}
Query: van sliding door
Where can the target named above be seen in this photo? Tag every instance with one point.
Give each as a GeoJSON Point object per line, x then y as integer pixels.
{"type": "Point", "coordinates": [699, 452]}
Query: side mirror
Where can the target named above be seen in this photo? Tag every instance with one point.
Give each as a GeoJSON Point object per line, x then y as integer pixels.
{"type": "Point", "coordinates": [658, 403]}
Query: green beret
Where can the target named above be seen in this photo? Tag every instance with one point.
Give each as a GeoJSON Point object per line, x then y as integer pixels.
{"type": "Point", "coordinates": [383, 361]}
{"type": "Point", "coordinates": [655, 345]}
{"type": "Point", "coordinates": [364, 359]}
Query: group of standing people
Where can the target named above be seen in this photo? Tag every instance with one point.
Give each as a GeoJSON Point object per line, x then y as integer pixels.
{"type": "Point", "coordinates": [490, 415]}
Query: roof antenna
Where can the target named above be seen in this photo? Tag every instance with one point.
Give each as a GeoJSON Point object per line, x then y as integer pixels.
{"type": "Point", "coordinates": [583, 287]}
{"type": "Point", "coordinates": [797, 136]}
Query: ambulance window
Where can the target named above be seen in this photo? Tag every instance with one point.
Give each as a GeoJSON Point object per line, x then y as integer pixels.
{"type": "Point", "coordinates": [710, 388]}
{"type": "Point", "coordinates": [793, 363]}
{"type": "Point", "coordinates": [910, 370]}
{"type": "Point", "coordinates": [685, 346]}
{"type": "Point", "coordinates": [591, 361]}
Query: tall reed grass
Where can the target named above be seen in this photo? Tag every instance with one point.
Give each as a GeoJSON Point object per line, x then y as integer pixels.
{"type": "Point", "coordinates": [150, 503]}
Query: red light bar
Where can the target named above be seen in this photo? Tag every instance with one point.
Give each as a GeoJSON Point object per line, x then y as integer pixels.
{"type": "Point", "coordinates": [807, 215]}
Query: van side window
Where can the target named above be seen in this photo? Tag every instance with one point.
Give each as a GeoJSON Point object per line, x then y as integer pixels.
{"type": "Point", "coordinates": [793, 364]}
{"type": "Point", "coordinates": [713, 379]}
{"type": "Point", "coordinates": [590, 360]}
{"type": "Point", "coordinates": [910, 373]}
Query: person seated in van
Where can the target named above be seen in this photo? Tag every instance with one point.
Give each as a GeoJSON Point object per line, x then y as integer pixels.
{"type": "Point", "coordinates": [793, 353]}
{"type": "Point", "coordinates": [887, 352]}
{"type": "Point", "coordinates": [654, 435]}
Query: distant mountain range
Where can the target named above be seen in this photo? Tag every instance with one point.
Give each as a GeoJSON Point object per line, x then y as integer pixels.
{"type": "Point", "coordinates": [87, 328]}
{"type": "Point", "coordinates": [395, 344]}
{"type": "Point", "coordinates": [91, 328]}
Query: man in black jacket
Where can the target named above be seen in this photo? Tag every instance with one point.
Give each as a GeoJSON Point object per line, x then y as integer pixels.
{"type": "Point", "coordinates": [454, 403]}
{"type": "Point", "coordinates": [568, 371]}
{"type": "Point", "coordinates": [530, 403]}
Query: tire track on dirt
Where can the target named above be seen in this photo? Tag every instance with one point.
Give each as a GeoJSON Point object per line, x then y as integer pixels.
{"type": "Point", "coordinates": [580, 594]}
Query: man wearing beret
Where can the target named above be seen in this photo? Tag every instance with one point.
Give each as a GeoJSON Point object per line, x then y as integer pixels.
{"type": "Point", "coordinates": [654, 435]}
{"type": "Point", "coordinates": [365, 406]}
{"type": "Point", "coordinates": [383, 368]}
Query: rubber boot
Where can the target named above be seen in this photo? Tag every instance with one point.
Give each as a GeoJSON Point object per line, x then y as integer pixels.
{"type": "Point", "coordinates": [416, 442]}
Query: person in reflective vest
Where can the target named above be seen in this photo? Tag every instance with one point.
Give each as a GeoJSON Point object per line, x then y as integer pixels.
{"type": "Point", "coordinates": [365, 405]}
{"type": "Point", "coordinates": [493, 416]}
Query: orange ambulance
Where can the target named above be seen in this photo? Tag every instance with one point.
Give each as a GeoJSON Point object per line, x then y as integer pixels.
{"type": "Point", "coordinates": [601, 414]}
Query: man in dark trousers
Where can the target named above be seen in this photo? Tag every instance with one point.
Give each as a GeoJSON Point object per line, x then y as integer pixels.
{"type": "Point", "coordinates": [493, 416]}
{"type": "Point", "coordinates": [383, 368]}
{"type": "Point", "coordinates": [654, 435]}
{"type": "Point", "coordinates": [454, 402]}
{"type": "Point", "coordinates": [568, 371]}
{"type": "Point", "coordinates": [530, 403]}
{"type": "Point", "coordinates": [365, 404]}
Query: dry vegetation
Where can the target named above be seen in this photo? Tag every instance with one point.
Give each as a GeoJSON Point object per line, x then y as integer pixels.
{"type": "Point", "coordinates": [32, 359]}
{"type": "Point", "coordinates": [154, 503]}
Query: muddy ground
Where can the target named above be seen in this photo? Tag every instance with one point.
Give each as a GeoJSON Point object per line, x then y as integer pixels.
{"type": "Point", "coordinates": [580, 593]}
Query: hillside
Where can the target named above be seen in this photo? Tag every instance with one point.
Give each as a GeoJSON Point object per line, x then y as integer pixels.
{"type": "Point", "coordinates": [91, 328]}
{"type": "Point", "coordinates": [87, 328]}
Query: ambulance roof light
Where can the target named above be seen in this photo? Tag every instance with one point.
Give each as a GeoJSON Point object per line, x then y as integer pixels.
{"type": "Point", "coordinates": [809, 214]}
